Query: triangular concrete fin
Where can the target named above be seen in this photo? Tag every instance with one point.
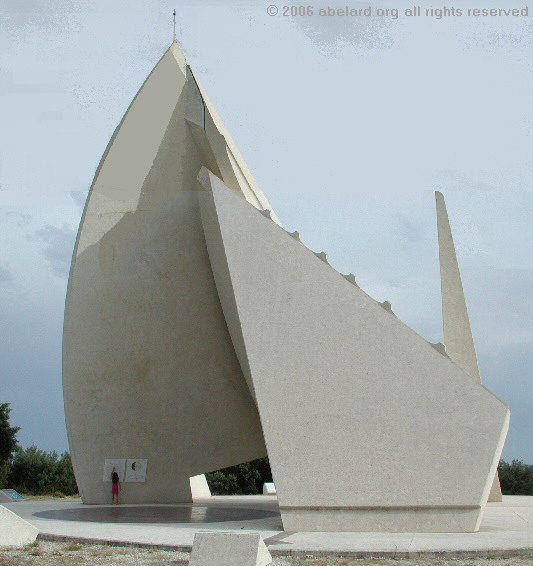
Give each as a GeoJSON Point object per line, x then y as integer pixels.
{"type": "Point", "coordinates": [456, 324]}
{"type": "Point", "coordinates": [367, 401]}
{"type": "Point", "coordinates": [15, 531]}
{"type": "Point", "coordinates": [263, 555]}
{"type": "Point", "coordinates": [203, 143]}
{"type": "Point", "coordinates": [219, 266]}
{"type": "Point", "coordinates": [239, 168]}
{"type": "Point", "coordinates": [495, 494]}
{"type": "Point", "coordinates": [455, 321]}
{"type": "Point", "coordinates": [222, 157]}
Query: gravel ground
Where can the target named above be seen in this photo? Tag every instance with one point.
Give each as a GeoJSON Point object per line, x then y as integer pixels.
{"type": "Point", "coordinates": [45, 553]}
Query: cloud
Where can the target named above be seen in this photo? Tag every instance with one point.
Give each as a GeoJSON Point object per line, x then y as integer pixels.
{"type": "Point", "coordinates": [47, 14]}
{"type": "Point", "coordinates": [506, 372]}
{"type": "Point", "coordinates": [18, 219]}
{"type": "Point", "coordinates": [79, 197]}
{"type": "Point", "coordinates": [330, 34]}
{"type": "Point", "coordinates": [409, 230]}
{"type": "Point", "coordinates": [500, 307]}
{"type": "Point", "coordinates": [5, 275]}
{"type": "Point", "coordinates": [58, 249]}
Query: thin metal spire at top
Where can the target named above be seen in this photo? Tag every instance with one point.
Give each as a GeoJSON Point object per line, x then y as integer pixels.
{"type": "Point", "coordinates": [174, 25]}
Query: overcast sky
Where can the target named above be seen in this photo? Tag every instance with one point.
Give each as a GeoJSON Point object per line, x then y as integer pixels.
{"type": "Point", "coordinates": [348, 125]}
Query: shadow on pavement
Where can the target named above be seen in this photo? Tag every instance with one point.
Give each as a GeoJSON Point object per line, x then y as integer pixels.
{"type": "Point", "coordinates": [154, 514]}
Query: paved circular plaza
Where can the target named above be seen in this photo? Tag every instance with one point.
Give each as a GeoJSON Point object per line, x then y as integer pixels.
{"type": "Point", "coordinates": [507, 528]}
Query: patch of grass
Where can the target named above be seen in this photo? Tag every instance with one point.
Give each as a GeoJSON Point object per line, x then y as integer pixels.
{"type": "Point", "coordinates": [34, 544]}
{"type": "Point", "coordinates": [103, 551]}
{"type": "Point", "coordinates": [125, 550]}
{"type": "Point", "coordinates": [73, 546]}
{"type": "Point", "coordinates": [33, 548]}
{"type": "Point", "coordinates": [163, 555]}
{"type": "Point", "coordinates": [14, 561]}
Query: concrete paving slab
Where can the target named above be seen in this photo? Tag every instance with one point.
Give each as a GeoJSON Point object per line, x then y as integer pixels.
{"type": "Point", "coordinates": [507, 528]}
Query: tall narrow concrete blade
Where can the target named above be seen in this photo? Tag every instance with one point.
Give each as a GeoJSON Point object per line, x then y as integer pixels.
{"type": "Point", "coordinates": [456, 324]}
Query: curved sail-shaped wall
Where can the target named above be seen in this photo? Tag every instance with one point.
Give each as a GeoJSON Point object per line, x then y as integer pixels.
{"type": "Point", "coordinates": [150, 371]}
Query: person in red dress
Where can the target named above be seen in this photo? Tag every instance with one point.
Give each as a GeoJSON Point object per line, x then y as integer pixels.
{"type": "Point", "coordinates": [115, 487]}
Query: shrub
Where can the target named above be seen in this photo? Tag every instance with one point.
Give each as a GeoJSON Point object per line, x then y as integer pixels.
{"type": "Point", "coordinates": [243, 479]}
{"type": "Point", "coordinates": [5, 468]}
{"type": "Point", "coordinates": [516, 478]}
{"type": "Point", "coordinates": [39, 473]}
{"type": "Point", "coordinates": [8, 440]}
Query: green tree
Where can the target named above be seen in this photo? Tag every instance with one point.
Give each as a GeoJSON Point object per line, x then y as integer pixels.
{"type": "Point", "coordinates": [5, 469]}
{"type": "Point", "coordinates": [516, 478]}
{"type": "Point", "coordinates": [67, 481]}
{"type": "Point", "coordinates": [8, 434]}
{"type": "Point", "coordinates": [8, 444]}
{"type": "Point", "coordinates": [36, 472]}
{"type": "Point", "coordinates": [243, 479]}
{"type": "Point", "coordinates": [222, 482]}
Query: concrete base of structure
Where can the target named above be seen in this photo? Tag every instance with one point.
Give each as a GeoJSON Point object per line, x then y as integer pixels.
{"type": "Point", "coordinates": [397, 520]}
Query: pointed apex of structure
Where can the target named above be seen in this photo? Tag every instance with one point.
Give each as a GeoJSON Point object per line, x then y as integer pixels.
{"type": "Point", "coordinates": [178, 55]}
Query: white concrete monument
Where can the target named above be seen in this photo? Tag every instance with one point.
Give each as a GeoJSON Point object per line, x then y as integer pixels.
{"type": "Point", "coordinates": [198, 332]}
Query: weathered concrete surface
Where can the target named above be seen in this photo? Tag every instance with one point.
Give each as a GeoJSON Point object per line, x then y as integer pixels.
{"type": "Point", "coordinates": [15, 531]}
{"type": "Point", "coordinates": [381, 424]}
{"type": "Point", "coordinates": [229, 549]}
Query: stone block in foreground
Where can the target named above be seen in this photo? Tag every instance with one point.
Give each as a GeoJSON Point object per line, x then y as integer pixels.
{"type": "Point", "coordinates": [15, 531]}
{"type": "Point", "coordinates": [229, 549]}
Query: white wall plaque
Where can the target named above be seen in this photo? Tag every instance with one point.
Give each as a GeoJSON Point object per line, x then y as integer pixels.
{"type": "Point", "coordinates": [135, 470]}
{"type": "Point", "coordinates": [120, 467]}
